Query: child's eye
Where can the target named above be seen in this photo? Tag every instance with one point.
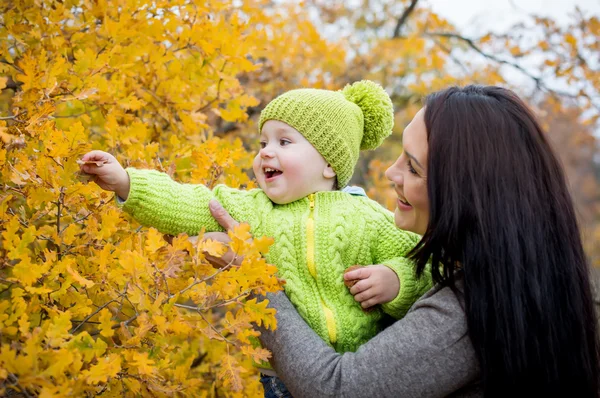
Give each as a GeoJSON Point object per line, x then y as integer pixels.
{"type": "Point", "coordinates": [284, 142]}
{"type": "Point", "coordinates": [263, 144]}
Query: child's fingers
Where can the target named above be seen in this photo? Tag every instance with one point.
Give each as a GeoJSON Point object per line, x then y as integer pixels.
{"type": "Point", "coordinates": [360, 286]}
{"type": "Point", "coordinates": [90, 168]}
{"type": "Point", "coordinates": [360, 273]}
{"type": "Point", "coordinates": [96, 155]}
{"type": "Point", "coordinates": [369, 303]}
{"type": "Point", "coordinates": [365, 296]}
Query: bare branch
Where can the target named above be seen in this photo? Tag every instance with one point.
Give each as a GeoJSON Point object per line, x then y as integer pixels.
{"type": "Point", "coordinates": [539, 83]}
{"type": "Point", "coordinates": [90, 316]}
{"type": "Point", "coordinates": [209, 103]}
{"type": "Point", "coordinates": [404, 17]}
{"type": "Point", "coordinates": [13, 117]}
{"type": "Point", "coordinates": [3, 61]}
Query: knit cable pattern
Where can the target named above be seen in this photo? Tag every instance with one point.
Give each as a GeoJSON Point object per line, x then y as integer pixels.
{"type": "Point", "coordinates": [349, 230]}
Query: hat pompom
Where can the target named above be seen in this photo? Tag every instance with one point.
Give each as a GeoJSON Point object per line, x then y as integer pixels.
{"type": "Point", "coordinates": [377, 109]}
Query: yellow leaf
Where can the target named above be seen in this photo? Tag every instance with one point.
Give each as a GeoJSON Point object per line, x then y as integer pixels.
{"type": "Point", "coordinates": [78, 278]}
{"type": "Point", "coordinates": [58, 331]}
{"type": "Point", "coordinates": [27, 273]}
{"type": "Point", "coordinates": [154, 241]}
{"type": "Point", "coordinates": [144, 365]}
{"type": "Point", "coordinates": [262, 244]}
{"type": "Point", "coordinates": [231, 373]}
{"type": "Point", "coordinates": [161, 323]}
{"type": "Point", "coordinates": [3, 81]}
{"type": "Point", "coordinates": [239, 237]}
{"type": "Point", "coordinates": [106, 323]}
{"type": "Point", "coordinates": [110, 220]}
{"type": "Point", "coordinates": [569, 38]}
{"type": "Point", "coordinates": [134, 386]}
{"type": "Point", "coordinates": [106, 367]}
{"type": "Point", "coordinates": [213, 247]}
{"type": "Point", "coordinates": [61, 359]}
{"type": "Point", "coordinates": [257, 354]}
{"type": "Point", "coordinates": [260, 313]}
{"type": "Point", "coordinates": [68, 235]}
{"type": "Point", "coordinates": [88, 347]}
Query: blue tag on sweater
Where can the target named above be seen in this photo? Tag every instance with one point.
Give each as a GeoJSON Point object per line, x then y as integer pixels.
{"type": "Point", "coordinates": [354, 190]}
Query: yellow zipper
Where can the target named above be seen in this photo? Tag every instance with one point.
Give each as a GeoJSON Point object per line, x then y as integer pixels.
{"type": "Point", "coordinates": [310, 262]}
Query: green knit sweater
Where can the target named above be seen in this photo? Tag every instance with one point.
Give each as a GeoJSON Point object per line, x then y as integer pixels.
{"type": "Point", "coordinates": [316, 239]}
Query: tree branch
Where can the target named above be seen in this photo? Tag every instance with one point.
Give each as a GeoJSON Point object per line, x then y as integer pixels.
{"type": "Point", "coordinates": [3, 61]}
{"type": "Point", "coordinates": [209, 103]}
{"type": "Point", "coordinates": [90, 316]}
{"type": "Point", "coordinates": [404, 17]}
{"type": "Point", "coordinates": [539, 83]}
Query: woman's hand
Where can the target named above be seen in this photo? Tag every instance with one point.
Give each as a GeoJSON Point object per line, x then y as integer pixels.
{"type": "Point", "coordinates": [227, 222]}
{"type": "Point", "coordinates": [373, 284]}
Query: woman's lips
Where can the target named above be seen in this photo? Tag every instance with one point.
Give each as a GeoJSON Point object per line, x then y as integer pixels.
{"type": "Point", "coordinates": [403, 206]}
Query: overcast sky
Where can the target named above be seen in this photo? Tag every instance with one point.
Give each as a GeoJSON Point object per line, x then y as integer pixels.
{"type": "Point", "coordinates": [476, 16]}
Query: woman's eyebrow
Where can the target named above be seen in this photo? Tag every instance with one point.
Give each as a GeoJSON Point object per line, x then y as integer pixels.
{"type": "Point", "coordinates": [414, 159]}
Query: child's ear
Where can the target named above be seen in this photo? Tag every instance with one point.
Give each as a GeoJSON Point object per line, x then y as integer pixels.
{"type": "Point", "coordinates": [328, 172]}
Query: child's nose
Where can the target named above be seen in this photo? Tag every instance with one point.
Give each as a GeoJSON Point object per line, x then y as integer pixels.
{"type": "Point", "coordinates": [266, 152]}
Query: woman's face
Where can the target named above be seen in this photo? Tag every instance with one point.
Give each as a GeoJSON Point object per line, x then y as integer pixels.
{"type": "Point", "coordinates": [409, 175]}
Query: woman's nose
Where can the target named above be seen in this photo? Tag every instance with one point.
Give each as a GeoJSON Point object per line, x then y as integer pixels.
{"type": "Point", "coordinates": [394, 174]}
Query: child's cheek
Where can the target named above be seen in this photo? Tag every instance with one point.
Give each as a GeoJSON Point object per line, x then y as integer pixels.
{"type": "Point", "coordinates": [256, 165]}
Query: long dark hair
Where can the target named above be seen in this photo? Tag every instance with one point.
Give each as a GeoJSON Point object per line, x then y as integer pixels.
{"type": "Point", "coordinates": [502, 220]}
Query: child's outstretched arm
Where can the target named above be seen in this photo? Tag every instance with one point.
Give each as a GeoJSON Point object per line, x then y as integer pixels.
{"type": "Point", "coordinates": [155, 200]}
{"type": "Point", "coordinates": [107, 171]}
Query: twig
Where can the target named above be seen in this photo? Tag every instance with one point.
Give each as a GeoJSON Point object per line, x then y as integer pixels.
{"type": "Point", "coordinates": [404, 17]}
{"type": "Point", "coordinates": [538, 81]}
{"type": "Point", "coordinates": [164, 278]}
{"type": "Point", "coordinates": [116, 325]}
{"type": "Point", "coordinates": [58, 205]}
{"type": "Point", "coordinates": [13, 65]}
{"type": "Point", "coordinates": [13, 117]}
{"type": "Point", "coordinates": [214, 329]}
{"type": "Point", "coordinates": [221, 304]}
{"type": "Point", "coordinates": [73, 330]}
{"type": "Point", "coordinates": [15, 382]}
{"type": "Point", "coordinates": [449, 52]}
{"type": "Point", "coordinates": [207, 105]}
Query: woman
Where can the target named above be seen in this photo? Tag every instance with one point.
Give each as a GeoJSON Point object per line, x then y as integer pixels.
{"type": "Point", "coordinates": [512, 309]}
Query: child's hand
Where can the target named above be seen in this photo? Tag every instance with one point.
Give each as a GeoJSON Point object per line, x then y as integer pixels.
{"type": "Point", "coordinates": [373, 284]}
{"type": "Point", "coordinates": [107, 171]}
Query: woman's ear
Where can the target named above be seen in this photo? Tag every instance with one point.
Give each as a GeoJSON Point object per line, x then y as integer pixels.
{"type": "Point", "coordinates": [328, 172]}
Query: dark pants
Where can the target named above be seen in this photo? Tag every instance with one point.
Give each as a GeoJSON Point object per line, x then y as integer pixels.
{"type": "Point", "coordinates": [274, 387]}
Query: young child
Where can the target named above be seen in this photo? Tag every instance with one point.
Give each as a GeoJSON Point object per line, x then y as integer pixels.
{"type": "Point", "coordinates": [310, 141]}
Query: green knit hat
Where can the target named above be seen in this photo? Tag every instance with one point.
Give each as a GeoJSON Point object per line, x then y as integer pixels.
{"type": "Point", "coordinates": [337, 123]}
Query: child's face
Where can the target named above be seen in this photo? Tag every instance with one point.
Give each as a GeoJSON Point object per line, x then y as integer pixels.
{"type": "Point", "coordinates": [288, 167]}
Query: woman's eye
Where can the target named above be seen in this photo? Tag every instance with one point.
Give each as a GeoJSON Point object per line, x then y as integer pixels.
{"type": "Point", "coordinates": [284, 142]}
{"type": "Point", "coordinates": [411, 169]}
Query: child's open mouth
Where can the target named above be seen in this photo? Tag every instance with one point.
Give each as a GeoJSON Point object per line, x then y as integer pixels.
{"type": "Point", "coordinates": [271, 173]}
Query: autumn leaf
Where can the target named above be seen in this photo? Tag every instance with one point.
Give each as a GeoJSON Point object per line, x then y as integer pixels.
{"type": "Point", "coordinates": [154, 241]}
{"type": "Point", "coordinates": [106, 367]}
{"type": "Point", "coordinates": [144, 365]}
{"type": "Point", "coordinates": [230, 373]}
{"type": "Point", "coordinates": [258, 309]}
{"type": "Point", "coordinates": [106, 323]}
{"type": "Point", "coordinates": [213, 247]}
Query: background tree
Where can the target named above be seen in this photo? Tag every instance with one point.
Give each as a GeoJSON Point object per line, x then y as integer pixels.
{"type": "Point", "coordinates": [92, 304]}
